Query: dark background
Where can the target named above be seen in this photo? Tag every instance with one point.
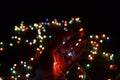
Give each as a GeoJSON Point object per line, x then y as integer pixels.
{"type": "Point", "coordinates": [97, 17]}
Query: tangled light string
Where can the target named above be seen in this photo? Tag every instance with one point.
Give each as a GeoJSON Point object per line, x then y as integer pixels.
{"type": "Point", "coordinates": [42, 32]}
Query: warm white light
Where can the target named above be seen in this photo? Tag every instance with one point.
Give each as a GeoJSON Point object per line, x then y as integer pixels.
{"type": "Point", "coordinates": [96, 36]}
{"type": "Point", "coordinates": [80, 76]}
{"type": "Point", "coordinates": [19, 76]}
{"type": "Point", "coordinates": [91, 36]}
{"type": "Point", "coordinates": [101, 41]}
{"type": "Point", "coordinates": [109, 79]}
{"type": "Point", "coordinates": [76, 44]}
{"type": "Point", "coordinates": [1, 78]}
{"type": "Point", "coordinates": [31, 58]}
{"type": "Point", "coordinates": [78, 68]}
{"type": "Point", "coordinates": [1, 43]}
{"type": "Point", "coordinates": [15, 65]}
{"type": "Point", "coordinates": [103, 35]}
{"type": "Point", "coordinates": [81, 29]}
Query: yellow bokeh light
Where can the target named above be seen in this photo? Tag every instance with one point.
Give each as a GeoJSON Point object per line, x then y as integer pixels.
{"type": "Point", "coordinates": [30, 43]}
{"type": "Point", "coordinates": [91, 58]}
{"type": "Point", "coordinates": [32, 59]}
{"type": "Point", "coordinates": [96, 36]}
{"type": "Point", "coordinates": [77, 19]}
{"type": "Point", "coordinates": [35, 24]}
{"type": "Point", "coordinates": [40, 26]}
{"type": "Point", "coordinates": [95, 52]}
{"type": "Point", "coordinates": [103, 35]}
{"type": "Point", "coordinates": [65, 24]}
{"type": "Point", "coordinates": [15, 65]}
{"type": "Point", "coordinates": [91, 42]}
{"type": "Point", "coordinates": [53, 22]}
{"type": "Point", "coordinates": [43, 48]}
{"type": "Point", "coordinates": [106, 54]}
{"type": "Point", "coordinates": [44, 36]}
{"type": "Point", "coordinates": [78, 68]}
{"type": "Point", "coordinates": [76, 44]}
{"type": "Point", "coordinates": [59, 24]}
{"type": "Point", "coordinates": [89, 55]}
{"type": "Point", "coordinates": [81, 29]}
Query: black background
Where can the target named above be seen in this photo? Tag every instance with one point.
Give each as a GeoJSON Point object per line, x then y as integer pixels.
{"type": "Point", "coordinates": [97, 16]}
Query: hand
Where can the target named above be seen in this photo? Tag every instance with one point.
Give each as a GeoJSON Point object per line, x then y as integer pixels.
{"type": "Point", "coordinates": [60, 56]}
{"type": "Point", "coordinates": [64, 61]}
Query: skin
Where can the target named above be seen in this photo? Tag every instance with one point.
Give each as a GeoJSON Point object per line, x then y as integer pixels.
{"type": "Point", "coordinates": [51, 65]}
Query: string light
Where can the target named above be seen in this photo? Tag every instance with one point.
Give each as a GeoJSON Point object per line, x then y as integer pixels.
{"type": "Point", "coordinates": [41, 36]}
{"type": "Point", "coordinates": [109, 79]}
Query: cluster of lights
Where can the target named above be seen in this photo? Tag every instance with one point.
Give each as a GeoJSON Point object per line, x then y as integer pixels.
{"type": "Point", "coordinates": [99, 38]}
{"type": "Point", "coordinates": [1, 46]}
{"type": "Point", "coordinates": [80, 72]}
{"type": "Point", "coordinates": [76, 46]}
{"type": "Point", "coordinates": [95, 41]}
{"type": "Point", "coordinates": [25, 69]}
{"type": "Point", "coordinates": [110, 57]}
{"type": "Point", "coordinates": [40, 30]}
{"type": "Point", "coordinates": [68, 50]}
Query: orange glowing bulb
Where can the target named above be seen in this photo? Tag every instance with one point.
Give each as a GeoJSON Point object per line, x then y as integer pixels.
{"type": "Point", "coordinates": [111, 66]}
{"type": "Point", "coordinates": [103, 35]}
{"type": "Point", "coordinates": [18, 42]}
{"type": "Point", "coordinates": [1, 49]}
{"type": "Point", "coordinates": [38, 49]}
{"type": "Point", "coordinates": [72, 19]}
{"type": "Point", "coordinates": [78, 68]}
{"type": "Point", "coordinates": [21, 62]}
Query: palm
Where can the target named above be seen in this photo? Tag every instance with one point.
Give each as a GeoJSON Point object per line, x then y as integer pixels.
{"type": "Point", "coordinates": [66, 55]}
{"type": "Point", "coordinates": [62, 53]}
